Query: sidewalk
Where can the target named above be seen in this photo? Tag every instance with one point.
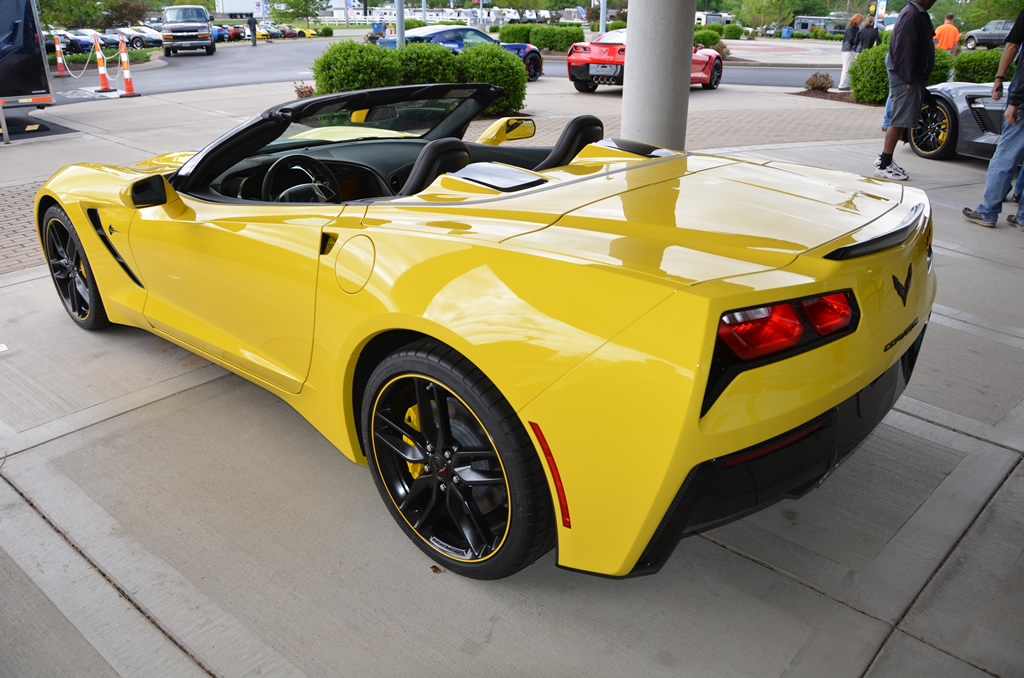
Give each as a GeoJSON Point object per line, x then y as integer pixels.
{"type": "Point", "coordinates": [160, 517]}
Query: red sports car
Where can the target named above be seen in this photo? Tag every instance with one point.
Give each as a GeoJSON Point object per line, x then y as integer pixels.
{"type": "Point", "coordinates": [602, 62]}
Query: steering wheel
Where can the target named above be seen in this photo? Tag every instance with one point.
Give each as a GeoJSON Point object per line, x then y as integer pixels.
{"type": "Point", "coordinates": [321, 186]}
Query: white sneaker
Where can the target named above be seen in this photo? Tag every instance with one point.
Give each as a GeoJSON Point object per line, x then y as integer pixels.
{"type": "Point", "coordinates": [893, 173]}
{"type": "Point", "coordinates": [878, 161]}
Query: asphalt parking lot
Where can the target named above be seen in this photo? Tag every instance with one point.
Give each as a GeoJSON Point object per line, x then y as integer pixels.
{"type": "Point", "coordinates": [161, 517]}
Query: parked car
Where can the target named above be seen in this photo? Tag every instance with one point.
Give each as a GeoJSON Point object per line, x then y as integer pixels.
{"type": "Point", "coordinates": [149, 30]}
{"type": "Point", "coordinates": [187, 27]}
{"type": "Point", "coordinates": [603, 60]}
{"type": "Point", "coordinates": [72, 44]}
{"type": "Point", "coordinates": [232, 32]}
{"type": "Point", "coordinates": [298, 32]}
{"type": "Point", "coordinates": [992, 34]}
{"type": "Point", "coordinates": [287, 31]}
{"type": "Point", "coordinates": [136, 39]}
{"type": "Point", "coordinates": [88, 33]}
{"type": "Point", "coordinates": [271, 30]}
{"type": "Point", "coordinates": [527, 345]}
{"type": "Point", "coordinates": [458, 38]}
{"type": "Point", "coordinates": [965, 120]}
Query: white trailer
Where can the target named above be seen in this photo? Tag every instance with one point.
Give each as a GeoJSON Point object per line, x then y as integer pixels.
{"type": "Point", "coordinates": [240, 9]}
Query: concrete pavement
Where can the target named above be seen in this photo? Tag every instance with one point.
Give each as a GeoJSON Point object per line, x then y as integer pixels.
{"type": "Point", "coordinates": [160, 517]}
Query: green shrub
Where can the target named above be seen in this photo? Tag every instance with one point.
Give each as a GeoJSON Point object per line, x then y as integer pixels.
{"type": "Point", "coordinates": [495, 65]}
{"type": "Point", "coordinates": [414, 23]}
{"type": "Point", "coordinates": [348, 65]}
{"type": "Point", "coordinates": [135, 56]}
{"type": "Point", "coordinates": [706, 38]}
{"type": "Point", "coordinates": [886, 35]}
{"type": "Point", "coordinates": [798, 35]}
{"type": "Point", "coordinates": [616, 25]}
{"type": "Point", "coordinates": [717, 28]}
{"type": "Point", "coordinates": [820, 81]}
{"type": "Point", "coordinates": [427, 62]}
{"type": "Point", "coordinates": [492, 29]}
{"type": "Point", "coordinates": [595, 27]}
{"type": "Point", "coordinates": [733, 32]}
{"type": "Point", "coordinates": [979, 66]}
{"type": "Point", "coordinates": [552, 37]}
{"type": "Point", "coordinates": [943, 66]}
{"type": "Point", "coordinates": [869, 79]}
{"type": "Point", "coordinates": [326, 31]}
{"type": "Point", "coordinates": [570, 24]}
{"type": "Point", "coordinates": [515, 33]}
{"type": "Point", "coordinates": [460, 22]}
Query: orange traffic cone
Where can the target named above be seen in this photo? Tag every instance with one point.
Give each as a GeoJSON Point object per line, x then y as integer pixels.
{"type": "Point", "coordinates": [129, 90]}
{"type": "Point", "coordinates": [101, 65]}
{"type": "Point", "coordinates": [61, 71]}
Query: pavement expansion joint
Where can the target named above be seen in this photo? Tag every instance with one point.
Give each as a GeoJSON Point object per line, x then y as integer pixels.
{"type": "Point", "coordinates": [102, 573]}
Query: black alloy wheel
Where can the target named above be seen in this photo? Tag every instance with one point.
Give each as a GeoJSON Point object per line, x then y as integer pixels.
{"type": "Point", "coordinates": [454, 464]}
{"type": "Point", "coordinates": [74, 47]}
{"type": "Point", "coordinates": [534, 67]}
{"type": "Point", "coordinates": [716, 76]}
{"type": "Point", "coordinates": [936, 131]}
{"type": "Point", "coordinates": [585, 86]}
{"type": "Point", "coordinates": [70, 271]}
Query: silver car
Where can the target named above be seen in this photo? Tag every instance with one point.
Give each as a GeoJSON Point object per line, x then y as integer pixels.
{"type": "Point", "coordinates": [965, 120]}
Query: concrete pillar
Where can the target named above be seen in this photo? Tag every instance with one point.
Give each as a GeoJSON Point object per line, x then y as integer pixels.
{"type": "Point", "coordinates": [656, 92]}
{"type": "Point", "coordinates": [400, 23]}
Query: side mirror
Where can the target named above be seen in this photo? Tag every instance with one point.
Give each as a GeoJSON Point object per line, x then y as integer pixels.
{"type": "Point", "coordinates": [508, 129]}
{"type": "Point", "coordinates": [697, 47]}
{"type": "Point", "coordinates": [149, 192]}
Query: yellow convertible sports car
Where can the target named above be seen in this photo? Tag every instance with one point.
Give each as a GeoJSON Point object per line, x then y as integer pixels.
{"type": "Point", "coordinates": [597, 346]}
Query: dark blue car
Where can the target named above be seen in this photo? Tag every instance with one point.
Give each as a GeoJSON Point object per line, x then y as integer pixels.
{"type": "Point", "coordinates": [458, 38]}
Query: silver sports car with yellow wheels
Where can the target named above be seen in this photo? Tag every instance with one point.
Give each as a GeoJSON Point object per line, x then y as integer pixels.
{"type": "Point", "coordinates": [962, 119]}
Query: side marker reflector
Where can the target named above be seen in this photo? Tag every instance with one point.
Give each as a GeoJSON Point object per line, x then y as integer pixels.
{"type": "Point", "coordinates": [562, 502]}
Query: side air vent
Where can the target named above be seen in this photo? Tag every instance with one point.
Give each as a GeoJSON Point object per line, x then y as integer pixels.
{"type": "Point", "coordinates": [94, 219]}
{"type": "Point", "coordinates": [504, 178]}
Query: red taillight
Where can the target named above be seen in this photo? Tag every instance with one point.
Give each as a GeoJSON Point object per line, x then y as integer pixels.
{"type": "Point", "coordinates": [563, 503]}
{"type": "Point", "coordinates": [579, 49]}
{"type": "Point", "coordinates": [760, 331]}
{"type": "Point", "coordinates": [829, 313]}
{"type": "Point", "coordinates": [622, 50]}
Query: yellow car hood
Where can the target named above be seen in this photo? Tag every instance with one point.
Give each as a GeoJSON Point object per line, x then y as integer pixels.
{"type": "Point", "coordinates": [728, 219]}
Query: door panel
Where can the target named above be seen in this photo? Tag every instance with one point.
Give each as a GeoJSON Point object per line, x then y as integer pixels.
{"type": "Point", "coordinates": [237, 281]}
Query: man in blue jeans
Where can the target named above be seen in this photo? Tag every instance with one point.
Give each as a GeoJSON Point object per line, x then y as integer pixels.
{"type": "Point", "coordinates": [1010, 152]}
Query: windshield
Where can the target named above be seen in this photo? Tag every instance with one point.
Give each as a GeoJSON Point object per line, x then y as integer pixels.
{"type": "Point", "coordinates": [183, 14]}
{"type": "Point", "coordinates": [612, 38]}
{"type": "Point", "coordinates": [337, 122]}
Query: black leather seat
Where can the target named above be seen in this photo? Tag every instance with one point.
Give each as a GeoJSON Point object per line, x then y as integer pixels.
{"type": "Point", "coordinates": [586, 129]}
{"type": "Point", "coordinates": [440, 156]}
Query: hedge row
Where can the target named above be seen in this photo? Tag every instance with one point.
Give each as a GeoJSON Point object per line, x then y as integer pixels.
{"type": "Point", "coordinates": [346, 65]}
{"type": "Point", "coordinates": [869, 79]}
{"type": "Point", "coordinates": [554, 38]}
{"type": "Point", "coordinates": [135, 56]}
{"type": "Point", "coordinates": [611, 26]}
{"type": "Point", "coordinates": [980, 66]}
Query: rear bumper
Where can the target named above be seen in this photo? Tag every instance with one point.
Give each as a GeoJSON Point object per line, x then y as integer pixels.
{"type": "Point", "coordinates": [786, 466]}
{"type": "Point", "coordinates": [582, 72]}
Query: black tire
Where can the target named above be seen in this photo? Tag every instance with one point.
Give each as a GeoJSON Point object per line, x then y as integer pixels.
{"type": "Point", "coordinates": [138, 43]}
{"type": "Point", "coordinates": [74, 48]}
{"type": "Point", "coordinates": [716, 76]}
{"type": "Point", "coordinates": [487, 518]}
{"type": "Point", "coordinates": [167, 51]}
{"type": "Point", "coordinates": [936, 132]}
{"type": "Point", "coordinates": [970, 43]}
{"type": "Point", "coordinates": [70, 271]}
{"type": "Point", "coordinates": [211, 48]}
{"type": "Point", "coordinates": [585, 86]}
{"type": "Point", "coordinates": [534, 67]}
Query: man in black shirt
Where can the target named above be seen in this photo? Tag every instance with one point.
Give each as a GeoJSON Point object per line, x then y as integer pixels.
{"type": "Point", "coordinates": [911, 61]}
{"type": "Point", "coordinates": [1010, 151]}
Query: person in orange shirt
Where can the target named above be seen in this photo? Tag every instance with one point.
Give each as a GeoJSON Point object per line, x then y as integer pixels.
{"type": "Point", "coordinates": [948, 35]}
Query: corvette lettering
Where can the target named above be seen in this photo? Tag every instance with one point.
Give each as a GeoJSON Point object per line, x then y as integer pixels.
{"type": "Point", "coordinates": [901, 336]}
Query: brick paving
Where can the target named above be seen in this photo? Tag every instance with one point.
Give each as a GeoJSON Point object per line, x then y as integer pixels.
{"type": "Point", "coordinates": [19, 245]}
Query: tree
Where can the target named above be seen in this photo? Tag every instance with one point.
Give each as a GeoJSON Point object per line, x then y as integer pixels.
{"type": "Point", "coordinates": [293, 10]}
{"type": "Point", "coordinates": [767, 12]}
{"type": "Point", "coordinates": [125, 12]}
{"type": "Point", "coordinates": [70, 13]}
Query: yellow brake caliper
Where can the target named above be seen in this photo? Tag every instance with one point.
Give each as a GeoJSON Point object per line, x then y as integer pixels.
{"type": "Point", "coordinates": [412, 418]}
